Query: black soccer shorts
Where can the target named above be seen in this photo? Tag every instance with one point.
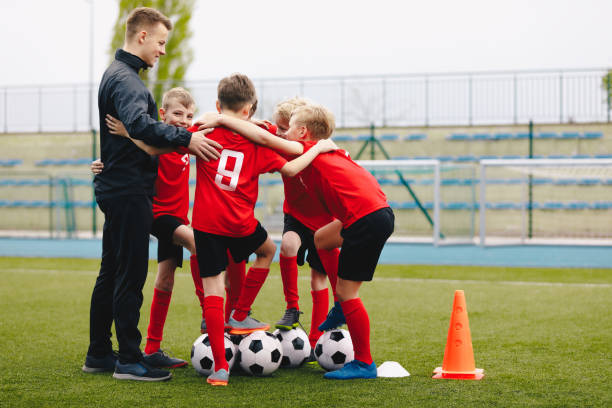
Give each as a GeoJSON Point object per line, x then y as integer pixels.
{"type": "Point", "coordinates": [163, 228]}
{"type": "Point", "coordinates": [307, 238]}
{"type": "Point", "coordinates": [363, 243]}
{"type": "Point", "coordinates": [212, 249]}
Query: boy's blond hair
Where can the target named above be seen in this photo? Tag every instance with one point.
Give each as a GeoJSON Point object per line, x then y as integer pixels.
{"type": "Point", "coordinates": [181, 95]}
{"type": "Point", "coordinates": [144, 18]}
{"type": "Point", "coordinates": [284, 109]}
{"type": "Point", "coordinates": [235, 91]}
{"type": "Point", "coordinates": [317, 119]}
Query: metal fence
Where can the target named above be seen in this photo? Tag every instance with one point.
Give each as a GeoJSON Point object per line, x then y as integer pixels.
{"type": "Point", "coordinates": [561, 96]}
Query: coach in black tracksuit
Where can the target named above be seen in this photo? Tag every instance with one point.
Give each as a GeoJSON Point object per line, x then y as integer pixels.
{"type": "Point", "coordinates": [124, 190]}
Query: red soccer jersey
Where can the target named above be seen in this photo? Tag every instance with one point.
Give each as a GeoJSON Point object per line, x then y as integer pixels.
{"type": "Point", "coordinates": [226, 189]}
{"type": "Point", "coordinates": [347, 190]}
{"type": "Point", "coordinates": [172, 186]}
{"type": "Point", "coordinates": [302, 205]}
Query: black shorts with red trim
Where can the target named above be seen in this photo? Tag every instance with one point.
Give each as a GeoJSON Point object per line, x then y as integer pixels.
{"type": "Point", "coordinates": [163, 229]}
{"type": "Point", "coordinates": [212, 249]}
{"type": "Point", "coordinates": [363, 243]}
{"type": "Point", "coordinates": [307, 238]}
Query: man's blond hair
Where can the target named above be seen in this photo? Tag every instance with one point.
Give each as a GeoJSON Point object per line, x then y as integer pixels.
{"type": "Point", "coordinates": [144, 18]}
{"type": "Point", "coordinates": [319, 121]}
{"type": "Point", "coordinates": [181, 95]}
{"type": "Point", "coordinates": [284, 109]}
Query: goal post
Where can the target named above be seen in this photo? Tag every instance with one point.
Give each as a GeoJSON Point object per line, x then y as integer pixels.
{"type": "Point", "coordinates": [561, 201]}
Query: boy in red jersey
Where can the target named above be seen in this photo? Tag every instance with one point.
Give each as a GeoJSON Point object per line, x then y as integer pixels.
{"type": "Point", "coordinates": [302, 216]}
{"type": "Point", "coordinates": [170, 225]}
{"type": "Point", "coordinates": [352, 196]}
{"type": "Point", "coordinates": [223, 217]}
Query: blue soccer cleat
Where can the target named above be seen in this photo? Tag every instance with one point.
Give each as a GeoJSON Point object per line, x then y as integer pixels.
{"type": "Point", "coordinates": [335, 318]}
{"type": "Point", "coordinates": [352, 370]}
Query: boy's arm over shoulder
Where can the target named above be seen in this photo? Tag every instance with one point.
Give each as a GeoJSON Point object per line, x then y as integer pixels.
{"type": "Point", "coordinates": [251, 131]}
{"type": "Point", "coordinates": [300, 163]}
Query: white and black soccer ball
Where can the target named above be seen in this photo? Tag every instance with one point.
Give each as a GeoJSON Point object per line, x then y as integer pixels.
{"type": "Point", "coordinates": [295, 345]}
{"type": "Point", "coordinates": [202, 358]}
{"type": "Point", "coordinates": [260, 353]}
{"type": "Point", "coordinates": [334, 349]}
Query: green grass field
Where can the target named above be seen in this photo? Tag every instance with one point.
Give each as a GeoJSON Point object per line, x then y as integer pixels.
{"type": "Point", "coordinates": [543, 336]}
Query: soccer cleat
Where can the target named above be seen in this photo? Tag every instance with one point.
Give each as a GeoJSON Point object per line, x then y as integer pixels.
{"type": "Point", "coordinates": [104, 364]}
{"type": "Point", "coordinates": [161, 359]}
{"type": "Point", "coordinates": [140, 371]}
{"type": "Point", "coordinates": [203, 327]}
{"type": "Point", "coordinates": [335, 318]}
{"type": "Point", "coordinates": [312, 359]}
{"type": "Point", "coordinates": [246, 326]}
{"type": "Point", "coordinates": [352, 370]}
{"type": "Point", "coordinates": [220, 377]}
{"type": "Point", "coordinates": [290, 319]}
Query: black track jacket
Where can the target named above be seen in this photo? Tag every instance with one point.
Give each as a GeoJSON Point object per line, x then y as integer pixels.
{"type": "Point", "coordinates": [122, 94]}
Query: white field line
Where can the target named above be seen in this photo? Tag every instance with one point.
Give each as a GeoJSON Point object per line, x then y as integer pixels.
{"type": "Point", "coordinates": [376, 279]}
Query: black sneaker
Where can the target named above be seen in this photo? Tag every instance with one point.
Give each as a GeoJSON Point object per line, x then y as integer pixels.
{"type": "Point", "coordinates": [161, 359]}
{"type": "Point", "coordinates": [203, 327]}
{"type": "Point", "coordinates": [140, 371]}
{"type": "Point", "coordinates": [104, 364]}
{"type": "Point", "coordinates": [290, 319]}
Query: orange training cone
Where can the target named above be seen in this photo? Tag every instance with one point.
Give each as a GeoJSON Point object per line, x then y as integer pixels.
{"type": "Point", "coordinates": [458, 360]}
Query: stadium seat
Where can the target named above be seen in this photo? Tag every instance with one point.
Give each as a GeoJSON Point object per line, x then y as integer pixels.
{"type": "Point", "coordinates": [588, 182]}
{"type": "Point", "coordinates": [552, 205]}
{"type": "Point", "coordinates": [414, 137]}
{"type": "Point", "coordinates": [422, 158]}
{"type": "Point", "coordinates": [456, 206]}
{"type": "Point", "coordinates": [10, 162]}
{"type": "Point", "coordinates": [488, 157]}
{"type": "Point", "coordinates": [546, 135]}
{"type": "Point", "coordinates": [570, 135]}
{"type": "Point", "coordinates": [445, 158]}
{"type": "Point", "coordinates": [389, 137]}
{"type": "Point", "coordinates": [603, 156]}
{"type": "Point", "coordinates": [601, 205]}
{"type": "Point", "coordinates": [343, 138]}
{"type": "Point", "coordinates": [466, 158]}
{"type": "Point", "coordinates": [481, 136]}
{"type": "Point", "coordinates": [591, 135]}
{"type": "Point", "coordinates": [458, 136]}
{"type": "Point", "coordinates": [502, 136]}
{"type": "Point", "coordinates": [558, 156]}
{"type": "Point", "coordinates": [363, 137]}
{"type": "Point", "coordinates": [521, 136]}
{"type": "Point", "coordinates": [512, 156]}
{"type": "Point", "coordinates": [581, 156]}
{"type": "Point", "coordinates": [400, 158]}
{"type": "Point", "coordinates": [577, 205]}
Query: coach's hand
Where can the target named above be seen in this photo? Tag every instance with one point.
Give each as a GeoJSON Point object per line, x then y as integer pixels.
{"type": "Point", "coordinates": [203, 147]}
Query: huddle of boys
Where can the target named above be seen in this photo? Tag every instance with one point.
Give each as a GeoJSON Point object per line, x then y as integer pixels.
{"type": "Point", "coordinates": [323, 186]}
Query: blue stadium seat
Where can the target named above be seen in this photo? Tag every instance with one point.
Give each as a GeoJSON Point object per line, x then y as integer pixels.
{"type": "Point", "coordinates": [343, 138]}
{"type": "Point", "coordinates": [577, 205]}
{"type": "Point", "coordinates": [581, 156]}
{"type": "Point", "coordinates": [363, 137]}
{"type": "Point", "coordinates": [445, 158]}
{"type": "Point", "coordinates": [591, 135]}
{"type": "Point", "coordinates": [603, 156]}
{"type": "Point", "coordinates": [422, 158]}
{"type": "Point", "coordinates": [601, 205]}
{"type": "Point", "coordinates": [558, 156]}
{"type": "Point", "coordinates": [481, 136]}
{"type": "Point", "coordinates": [552, 205]}
{"type": "Point", "coordinates": [546, 135]}
{"type": "Point", "coordinates": [521, 136]}
{"type": "Point", "coordinates": [512, 156]}
{"type": "Point", "coordinates": [504, 206]}
{"type": "Point", "coordinates": [456, 206]}
{"type": "Point", "coordinates": [458, 136]}
{"type": "Point", "coordinates": [502, 136]}
{"type": "Point", "coordinates": [466, 158]}
{"type": "Point", "coordinates": [588, 182]}
{"type": "Point", "coordinates": [488, 157]}
{"type": "Point", "coordinates": [10, 162]}
{"type": "Point", "coordinates": [400, 158]}
{"type": "Point", "coordinates": [415, 137]}
{"type": "Point", "coordinates": [570, 135]}
{"type": "Point", "coordinates": [565, 182]}
{"type": "Point", "coordinates": [389, 137]}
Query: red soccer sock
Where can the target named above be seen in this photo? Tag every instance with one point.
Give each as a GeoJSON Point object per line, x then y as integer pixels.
{"type": "Point", "coordinates": [329, 259]}
{"type": "Point", "coordinates": [289, 274]}
{"type": "Point", "coordinates": [253, 282]}
{"type": "Point", "coordinates": [320, 304]}
{"type": "Point", "coordinates": [159, 311]}
{"type": "Point", "coordinates": [213, 313]}
{"type": "Point", "coordinates": [236, 273]}
{"type": "Point", "coordinates": [358, 324]}
{"type": "Point", "coordinates": [197, 280]}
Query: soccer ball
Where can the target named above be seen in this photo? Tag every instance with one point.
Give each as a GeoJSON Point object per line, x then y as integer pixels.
{"type": "Point", "coordinates": [202, 357]}
{"type": "Point", "coordinates": [260, 353]}
{"type": "Point", "coordinates": [295, 346]}
{"type": "Point", "coordinates": [334, 349]}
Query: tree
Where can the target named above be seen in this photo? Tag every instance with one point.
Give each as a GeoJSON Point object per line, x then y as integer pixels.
{"type": "Point", "coordinates": [170, 70]}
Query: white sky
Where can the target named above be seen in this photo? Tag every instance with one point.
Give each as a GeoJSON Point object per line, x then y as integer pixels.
{"type": "Point", "coordinates": [47, 42]}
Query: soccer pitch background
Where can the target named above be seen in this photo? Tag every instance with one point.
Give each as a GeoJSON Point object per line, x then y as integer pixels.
{"type": "Point", "coordinates": [542, 335]}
